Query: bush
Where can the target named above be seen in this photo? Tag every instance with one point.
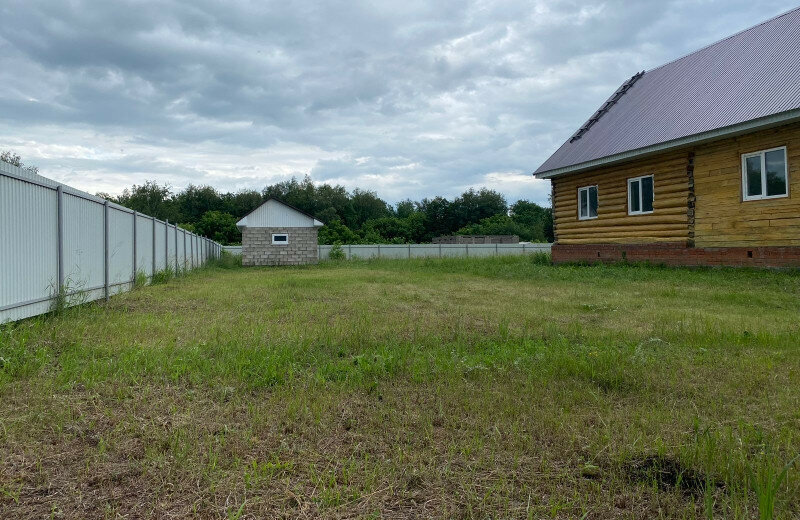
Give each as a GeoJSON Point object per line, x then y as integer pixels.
{"type": "Point", "coordinates": [226, 260]}
{"type": "Point", "coordinates": [337, 253]}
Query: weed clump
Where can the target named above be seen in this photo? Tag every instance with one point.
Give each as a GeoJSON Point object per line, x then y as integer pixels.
{"type": "Point", "coordinates": [163, 276]}
{"type": "Point", "coordinates": [225, 260]}
{"type": "Point", "coordinates": [336, 253]}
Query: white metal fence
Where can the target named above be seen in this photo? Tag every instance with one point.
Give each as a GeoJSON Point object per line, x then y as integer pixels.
{"type": "Point", "coordinates": [424, 250]}
{"type": "Point", "coordinates": [434, 250]}
{"type": "Point", "coordinates": [55, 238]}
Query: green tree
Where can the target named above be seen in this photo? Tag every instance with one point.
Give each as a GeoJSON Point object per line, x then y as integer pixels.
{"type": "Point", "coordinates": [195, 201]}
{"type": "Point", "coordinates": [15, 159]}
{"type": "Point", "coordinates": [151, 199]}
{"type": "Point", "coordinates": [406, 208]}
{"type": "Point", "coordinates": [534, 217]}
{"type": "Point", "coordinates": [241, 203]}
{"type": "Point", "coordinates": [437, 217]}
{"type": "Point", "coordinates": [473, 206]}
{"type": "Point", "coordinates": [335, 232]}
{"type": "Point", "coordinates": [219, 226]}
{"type": "Point", "coordinates": [366, 206]}
{"type": "Point", "coordinates": [497, 225]}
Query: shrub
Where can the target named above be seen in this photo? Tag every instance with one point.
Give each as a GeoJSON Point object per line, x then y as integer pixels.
{"type": "Point", "coordinates": [337, 253]}
{"type": "Point", "coordinates": [226, 260]}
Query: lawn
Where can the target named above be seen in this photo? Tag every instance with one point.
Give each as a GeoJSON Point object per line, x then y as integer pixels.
{"type": "Point", "coordinates": [453, 388]}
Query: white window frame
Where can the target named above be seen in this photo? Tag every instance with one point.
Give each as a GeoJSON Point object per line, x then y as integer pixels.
{"type": "Point", "coordinates": [630, 200]}
{"type": "Point", "coordinates": [280, 243]}
{"type": "Point", "coordinates": [587, 188]}
{"type": "Point", "coordinates": [763, 154]}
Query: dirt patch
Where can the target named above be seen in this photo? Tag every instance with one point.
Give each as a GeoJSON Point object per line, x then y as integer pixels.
{"type": "Point", "coordinates": [670, 473]}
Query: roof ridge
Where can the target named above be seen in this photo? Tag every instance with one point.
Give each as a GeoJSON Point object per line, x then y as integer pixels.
{"type": "Point", "coordinates": [734, 35]}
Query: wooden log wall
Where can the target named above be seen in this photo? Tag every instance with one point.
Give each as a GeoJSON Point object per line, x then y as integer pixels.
{"type": "Point", "coordinates": [722, 217]}
{"type": "Point", "coordinates": [669, 221]}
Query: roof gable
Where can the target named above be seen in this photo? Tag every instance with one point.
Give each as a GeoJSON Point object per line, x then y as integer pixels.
{"type": "Point", "coordinates": [275, 213]}
{"type": "Point", "coordinates": [751, 76]}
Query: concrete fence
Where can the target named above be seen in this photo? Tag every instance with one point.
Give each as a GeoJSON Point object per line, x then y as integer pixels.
{"type": "Point", "coordinates": [424, 250]}
{"type": "Point", "coordinates": [56, 240]}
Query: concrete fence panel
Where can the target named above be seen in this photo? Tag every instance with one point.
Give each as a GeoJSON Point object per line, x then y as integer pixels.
{"type": "Point", "coordinates": [401, 251]}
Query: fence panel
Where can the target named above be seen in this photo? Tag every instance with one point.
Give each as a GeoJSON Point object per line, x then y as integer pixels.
{"type": "Point", "coordinates": [84, 268]}
{"type": "Point", "coordinates": [120, 249]}
{"type": "Point", "coordinates": [161, 245]}
{"type": "Point", "coordinates": [28, 248]}
{"type": "Point", "coordinates": [144, 245]}
{"type": "Point", "coordinates": [424, 250]}
{"type": "Point", "coordinates": [399, 251]}
{"type": "Point", "coordinates": [54, 238]}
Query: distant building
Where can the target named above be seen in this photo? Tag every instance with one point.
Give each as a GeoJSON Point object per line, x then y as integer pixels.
{"type": "Point", "coordinates": [477, 239]}
{"type": "Point", "coordinates": [276, 233]}
{"type": "Point", "coordinates": [695, 162]}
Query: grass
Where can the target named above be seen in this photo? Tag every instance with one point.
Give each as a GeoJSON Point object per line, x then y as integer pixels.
{"type": "Point", "coordinates": [451, 388]}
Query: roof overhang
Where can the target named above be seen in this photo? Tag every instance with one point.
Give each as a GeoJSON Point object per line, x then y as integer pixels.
{"type": "Point", "coordinates": [243, 223]}
{"type": "Point", "coordinates": [704, 137]}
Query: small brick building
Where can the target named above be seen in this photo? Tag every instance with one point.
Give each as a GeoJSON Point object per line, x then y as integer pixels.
{"type": "Point", "coordinates": [276, 233]}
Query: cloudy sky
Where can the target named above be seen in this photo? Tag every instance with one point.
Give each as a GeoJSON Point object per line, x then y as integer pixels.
{"type": "Point", "coordinates": [408, 98]}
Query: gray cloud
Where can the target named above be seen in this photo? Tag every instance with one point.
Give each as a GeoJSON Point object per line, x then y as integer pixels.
{"type": "Point", "coordinates": [410, 99]}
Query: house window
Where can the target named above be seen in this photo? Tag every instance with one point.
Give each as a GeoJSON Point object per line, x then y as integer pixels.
{"type": "Point", "coordinates": [587, 202]}
{"type": "Point", "coordinates": [764, 174]}
{"type": "Point", "coordinates": [640, 195]}
{"type": "Point", "coordinates": [280, 239]}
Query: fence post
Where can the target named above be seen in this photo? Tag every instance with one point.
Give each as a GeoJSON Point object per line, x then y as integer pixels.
{"type": "Point", "coordinates": [467, 247]}
{"type": "Point", "coordinates": [166, 244]}
{"type": "Point", "coordinates": [153, 272]}
{"type": "Point", "coordinates": [350, 251]}
{"type": "Point", "coordinates": [409, 251]}
{"type": "Point", "coordinates": [105, 247]}
{"type": "Point", "coordinates": [60, 236]}
{"type": "Point", "coordinates": [523, 249]}
{"type": "Point", "coordinates": [496, 249]}
{"type": "Point", "coordinates": [191, 247]}
{"type": "Point", "coordinates": [176, 249]}
{"type": "Point", "coordinates": [440, 250]}
{"type": "Point", "coordinates": [134, 248]}
{"type": "Point", "coordinates": [184, 249]}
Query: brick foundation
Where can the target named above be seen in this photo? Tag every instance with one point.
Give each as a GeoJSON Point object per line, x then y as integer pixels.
{"type": "Point", "coordinates": [678, 254]}
{"type": "Point", "coordinates": [257, 247]}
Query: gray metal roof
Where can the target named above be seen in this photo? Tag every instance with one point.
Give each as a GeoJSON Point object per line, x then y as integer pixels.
{"type": "Point", "coordinates": [752, 75]}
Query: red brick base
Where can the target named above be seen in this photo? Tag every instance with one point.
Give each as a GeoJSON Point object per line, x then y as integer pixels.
{"type": "Point", "coordinates": [678, 254]}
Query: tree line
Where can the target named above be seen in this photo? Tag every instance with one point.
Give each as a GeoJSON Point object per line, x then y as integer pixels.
{"type": "Point", "coordinates": [350, 217]}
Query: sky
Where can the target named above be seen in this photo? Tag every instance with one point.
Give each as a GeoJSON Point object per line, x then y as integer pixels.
{"type": "Point", "coordinates": [409, 99]}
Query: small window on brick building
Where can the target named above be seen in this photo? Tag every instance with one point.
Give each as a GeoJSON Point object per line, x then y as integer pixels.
{"type": "Point", "coordinates": [280, 239]}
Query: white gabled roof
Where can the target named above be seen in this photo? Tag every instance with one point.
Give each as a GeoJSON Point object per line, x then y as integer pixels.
{"type": "Point", "coordinates": [274, 213]}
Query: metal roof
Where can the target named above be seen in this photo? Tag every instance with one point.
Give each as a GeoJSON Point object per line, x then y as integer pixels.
{"type": "Point", "coordinates": [722, 89]}
{"type": "Point", "coordinates": [265, 215]}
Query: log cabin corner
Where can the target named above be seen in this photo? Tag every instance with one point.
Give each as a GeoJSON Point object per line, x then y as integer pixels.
{"type": "Point", "coordinates": [696, 162]}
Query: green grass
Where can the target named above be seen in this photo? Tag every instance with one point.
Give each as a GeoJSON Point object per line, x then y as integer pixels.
{"type": "Point", "coordinates": [467, 388]}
